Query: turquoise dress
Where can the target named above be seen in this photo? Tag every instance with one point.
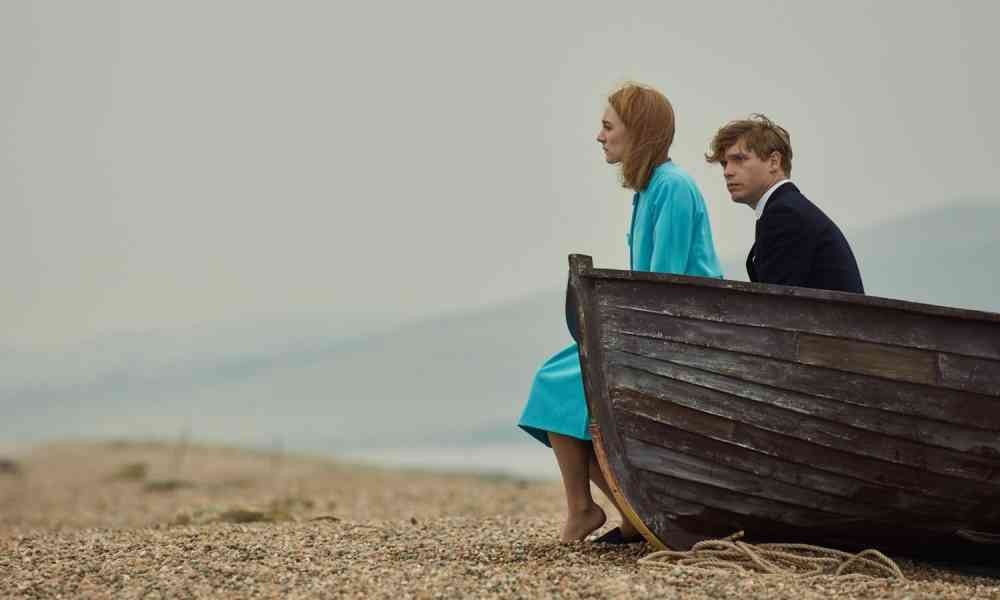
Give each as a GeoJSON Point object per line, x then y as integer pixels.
{"type": "Point", "coordinates": [670, 233]}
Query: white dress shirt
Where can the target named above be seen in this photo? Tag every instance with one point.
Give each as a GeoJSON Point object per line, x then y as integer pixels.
{"type": "Point", "coordinates": [767, 195]}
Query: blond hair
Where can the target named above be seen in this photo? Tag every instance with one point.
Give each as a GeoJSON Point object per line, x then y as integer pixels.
{"type": "Point", "coordinates": [761, 135]}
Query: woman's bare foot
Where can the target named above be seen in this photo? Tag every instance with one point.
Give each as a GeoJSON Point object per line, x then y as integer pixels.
{"type": "Point", "coordinates": [580, 524]}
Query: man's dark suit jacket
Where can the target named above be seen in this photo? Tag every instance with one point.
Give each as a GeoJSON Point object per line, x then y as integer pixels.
{"type": "Point", "coordinates": [796, 244]}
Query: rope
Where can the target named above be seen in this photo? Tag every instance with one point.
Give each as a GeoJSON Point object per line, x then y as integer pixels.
{"type": "Point", "coordinates": [792, 560]}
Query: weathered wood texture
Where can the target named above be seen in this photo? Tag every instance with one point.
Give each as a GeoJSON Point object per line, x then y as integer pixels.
{"type": "Point", "coordinates": [792, 414]}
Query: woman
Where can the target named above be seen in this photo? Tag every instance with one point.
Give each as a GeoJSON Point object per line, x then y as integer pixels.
{"type": "Point", "coordinates": [670, 233]}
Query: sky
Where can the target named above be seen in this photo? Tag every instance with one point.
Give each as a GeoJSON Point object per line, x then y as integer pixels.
{"type": "Point", "coordinates": [171, 166]}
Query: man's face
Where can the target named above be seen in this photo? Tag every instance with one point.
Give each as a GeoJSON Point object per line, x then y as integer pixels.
{"type": "Point", "coordinates": [747, 175]}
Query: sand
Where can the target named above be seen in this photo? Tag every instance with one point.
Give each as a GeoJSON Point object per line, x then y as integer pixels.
{"type": "Point", "coordinates": [151, 520]}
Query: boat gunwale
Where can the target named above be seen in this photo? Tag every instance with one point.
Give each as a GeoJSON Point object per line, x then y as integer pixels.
{"type": "Point", "coordinates": [769, 289]}
{"type": "Point", "coordinates": [817, 334]}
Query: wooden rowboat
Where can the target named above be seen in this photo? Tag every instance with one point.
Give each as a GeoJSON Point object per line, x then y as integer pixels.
{"type": "Point", "coordinates": [791, 414]}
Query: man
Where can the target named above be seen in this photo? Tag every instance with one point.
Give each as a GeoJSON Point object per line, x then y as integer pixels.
{"type": "Point", "coordinates": [796, 243]}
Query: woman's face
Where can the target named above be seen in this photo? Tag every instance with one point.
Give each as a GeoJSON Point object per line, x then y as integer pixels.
{"type": "Point", "coordinates": [612, 137]}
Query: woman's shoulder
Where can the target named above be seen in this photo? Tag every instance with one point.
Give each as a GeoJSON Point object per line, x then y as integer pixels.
{"type": "Point", "coordinates": [668, 179]}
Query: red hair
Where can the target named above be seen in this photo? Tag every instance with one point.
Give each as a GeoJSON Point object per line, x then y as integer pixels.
{"type": "Point", "coordinates": [649, 122]}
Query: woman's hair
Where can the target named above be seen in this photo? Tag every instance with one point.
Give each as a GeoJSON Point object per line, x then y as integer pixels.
{"type": "Point", "coordinates": [761, 135]}
{"type": "Point", "coordinates": [649, 123]}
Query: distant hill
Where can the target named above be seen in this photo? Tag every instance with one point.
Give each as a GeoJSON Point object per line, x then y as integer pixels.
{"type": "Point", "coordinates": [949, 257]}
{"type": "Point", "coordinates": [457, 379]}
{"type": "Point", "coordinates": [451, 379]}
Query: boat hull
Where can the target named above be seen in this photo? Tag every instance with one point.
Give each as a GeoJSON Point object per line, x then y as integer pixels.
{"type": "Point", "coordinates": [792, 415]}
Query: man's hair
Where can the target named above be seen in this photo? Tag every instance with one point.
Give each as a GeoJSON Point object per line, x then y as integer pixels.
{"type": "Point", "coordinates": [649, 122]}
{"type": "Point", "coordinates": [761, 135]}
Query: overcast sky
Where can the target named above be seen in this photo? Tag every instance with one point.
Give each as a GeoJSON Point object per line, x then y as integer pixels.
{"type": "Point", "coordinates": [173, 164]}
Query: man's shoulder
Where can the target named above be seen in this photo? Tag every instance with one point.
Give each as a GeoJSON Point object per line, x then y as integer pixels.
{"type": "Point", "coordinates": [789, 200]}
{"type": "Point", "coordinates": [787, 195]}
{"type": "Point", "coordinates": [786, 201]}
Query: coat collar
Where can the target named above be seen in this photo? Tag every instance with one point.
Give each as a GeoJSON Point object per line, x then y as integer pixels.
{"type": "Point", "coordinates": [762, 203]}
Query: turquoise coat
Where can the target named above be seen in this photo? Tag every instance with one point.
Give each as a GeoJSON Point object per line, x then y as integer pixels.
{"type": "Point", "coordinates": [670, 233]}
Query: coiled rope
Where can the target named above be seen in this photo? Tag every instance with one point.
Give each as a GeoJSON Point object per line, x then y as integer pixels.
{"type": "Point", "coordinates": [793, 560]}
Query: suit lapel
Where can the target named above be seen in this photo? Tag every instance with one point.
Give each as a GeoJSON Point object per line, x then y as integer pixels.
{"type": "Point", "coordinates": [776, 197]}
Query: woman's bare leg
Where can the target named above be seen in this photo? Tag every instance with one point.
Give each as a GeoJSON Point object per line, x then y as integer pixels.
{"type": "Point", "coordinates": [597, 476]}
{"type": "Point", "coordinates": [583, 514]}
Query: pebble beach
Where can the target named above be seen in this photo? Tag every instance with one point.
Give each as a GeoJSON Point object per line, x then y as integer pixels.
{"type": "Point", "coordinates": [170, 520]}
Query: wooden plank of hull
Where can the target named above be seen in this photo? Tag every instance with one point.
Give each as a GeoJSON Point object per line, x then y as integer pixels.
{"type": "Point", "coordinates": [864, 358]}
{"type": "Point", "coordinates": [859, 319]}
{"type": "Point", "coordinates": [962, 508]}
{"type": "Point", "coordinates": [684, 522]}
{"type": "Point", "coordinates": [651, 393]}
{"type": "Point", "coordinates": [971, 374]}
{"type": "Point", "coordinates": [948, 406]}
{"type": "Point", "coordinates": [743, 494]}
{"type": "Point", "coordinates": [889, 362]}
{"type": "Point", "coordinates": [970, 443]}
{"type": "Point", "coordinates": [928, 432]}
{"type": "Point", "coordinates": [839, 461]}
{"type": "Point", "coordinates": [680, 465]}
{"type": "Point", "coordinates": [777, 511]}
